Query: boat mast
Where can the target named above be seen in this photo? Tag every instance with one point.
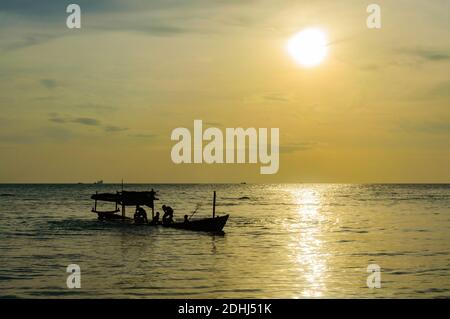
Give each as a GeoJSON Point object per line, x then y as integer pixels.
{"type": "Point", "coordinates": [123, 205]}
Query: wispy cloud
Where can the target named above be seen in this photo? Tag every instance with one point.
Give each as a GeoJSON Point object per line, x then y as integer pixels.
{"type": "Point", "coordinates": [27, 38]}
{"type": "Point", "coordinates": [441, 90]}
{"type": "Point", "coordinates": [17, 138]}
{"type": "Point", "coordinates": [428, 54]}
{"type": "Point", "coordinates": [78, 120]}
{"type": "Point", "coordinates": [49, 83]}
{"type": "Point", "coordinates": [144, 135]}
{"type": "Point", "coordinates": [113, 128]}
{"type": "Point", "coordinates": [88, 121]}
{"type": "Point", "coordinates": [428, 126]}
{"type": "Point", "coordinates": [297, 147]}
{"type": "Point", "coordinates": [57, 133]}
{"type": "Point", "coordinates": [46, 133]}
{"type": "Point", "coordinates": [275, 97]}
{"type": "Point", "coordinates": [155, 18]}
{"type": "Point", "coordinates": [154, 28]}
{"type": "Point", "coordinates": [37, 9]}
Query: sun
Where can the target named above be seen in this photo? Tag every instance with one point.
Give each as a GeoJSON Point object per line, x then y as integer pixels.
{"type": "Point", "coordinates": [308, 47]}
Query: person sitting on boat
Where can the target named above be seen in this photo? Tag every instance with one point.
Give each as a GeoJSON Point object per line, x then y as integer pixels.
{"type": "Point", "coordinates": [186, 219]}
{"type": "Point", "coordinates": [140, 215]}
{"type": "Point", "coordinates": [168, 214]}
{"type": "Point", "coordinates": [155, 220]}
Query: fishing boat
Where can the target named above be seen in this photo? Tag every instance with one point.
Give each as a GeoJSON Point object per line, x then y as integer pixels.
{"type": "Point", "coordinates": [137, 199]}
{"type": "Point", "coordinates": [215, 224]}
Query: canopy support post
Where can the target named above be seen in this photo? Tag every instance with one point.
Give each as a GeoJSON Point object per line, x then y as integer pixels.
{"type": "Point", "coordinates": [214, 204]}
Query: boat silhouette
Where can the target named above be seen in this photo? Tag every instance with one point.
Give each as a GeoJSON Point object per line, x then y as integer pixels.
{"type": "Point", "coordinates": [147, 198]}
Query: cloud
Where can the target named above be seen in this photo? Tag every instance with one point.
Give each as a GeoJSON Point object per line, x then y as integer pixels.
{"type": "Point", "coordinates": [86, 121]}
{"type": "Point", "coordinates": [113, 128]}
{"type": "Point", "coordinates": [437, 91]}
{"type": "Point", "coordinates": [441, 90]}
{"type": "Point", "coordinates": [96, 108]}
{"type": "Point", "coordinates": [370, 67]}
{"type": "Point", "coordinates": [48, 83]}
{"type": "Point", "coordinates": [275, 97]}
{"type": "Point", "coordinates": [297, 147]}
{"type": "Point", "coordinates": [78, 120]}
{"type": "Point", "coordinates": [55, 118]}
{"type": "Point", "coordinates": [17, 139]}
{"type": "Point", "coordinates": [58, 120]}
{"type": "Point", "coordinates": [432, 55]}
{"type": "Point", "coordinates": [144, 135]}
{"type": "Point", "coordinates": [154, 28]}
{"type": "Point", "coordinates": [49, 8]}
{"type": "Point", "coordinates": [58, 134]}
{"type": "Point", "coordinates": [429, 126]}
{"type": "Point", "coordinates": [21, 41]}
{"type": "Point", "coordinates": [156, 18]}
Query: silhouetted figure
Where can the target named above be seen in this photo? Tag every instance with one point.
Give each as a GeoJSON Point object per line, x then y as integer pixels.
{"type": "Point", "coordinates": [168, 214]}
{"type": "Point", "coordinates": [140, 216]}
{"type": "Point", "coordinates": [186, 219]}
{"type": "Point", "coordinates": [155, 220]}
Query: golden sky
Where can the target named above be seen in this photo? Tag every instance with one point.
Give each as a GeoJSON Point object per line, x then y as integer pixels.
{"type": "Point", "coordinates": [100, 102]}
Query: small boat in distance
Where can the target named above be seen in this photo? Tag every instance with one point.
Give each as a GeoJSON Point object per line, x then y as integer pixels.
{"type": "Point", "coordinates": [100, 182]}
{"type": "Point", "coordinates": [127, 198]}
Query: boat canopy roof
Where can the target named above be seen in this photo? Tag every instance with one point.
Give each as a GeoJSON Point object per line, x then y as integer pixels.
{"type": "Point", "coordinates": [127, 198]}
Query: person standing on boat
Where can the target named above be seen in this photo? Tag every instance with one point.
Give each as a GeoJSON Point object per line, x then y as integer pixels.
{"type": "Point", "coordinates": [168, 214]}
{"type": "Point", "coordinates": [144, 215]}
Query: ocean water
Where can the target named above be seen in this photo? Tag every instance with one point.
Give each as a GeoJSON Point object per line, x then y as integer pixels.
{"type": "Point", "coordinates": [281, 241]}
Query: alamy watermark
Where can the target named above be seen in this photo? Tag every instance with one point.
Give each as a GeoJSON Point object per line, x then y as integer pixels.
{"type": "Point", "coordinates": [73, 21]}
{"type": "Point", "coordinates": [373, 21]}
{"type": "Point", "coordinates": [231, 149]}
{"type": "Point", "coordinates": [74, 279]}
{"type": "Point", "coordinates": [374, 279]}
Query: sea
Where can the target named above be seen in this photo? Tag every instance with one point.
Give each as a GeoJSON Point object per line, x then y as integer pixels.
{"type": "Point", "coordinates": [281, 241]}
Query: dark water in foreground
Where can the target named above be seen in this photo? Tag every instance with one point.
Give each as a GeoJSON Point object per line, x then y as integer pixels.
{"type": "Point", "coordinates": [281, 241]}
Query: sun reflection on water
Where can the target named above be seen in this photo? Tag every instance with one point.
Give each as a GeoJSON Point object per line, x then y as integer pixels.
{"type": "Point", "coordinates": [306, 243]}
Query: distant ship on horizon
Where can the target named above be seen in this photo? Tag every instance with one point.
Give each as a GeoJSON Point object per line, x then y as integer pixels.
{"type": "Point", "coordinates": [98, 182]}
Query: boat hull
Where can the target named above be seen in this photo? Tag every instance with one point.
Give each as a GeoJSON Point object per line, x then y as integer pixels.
{"type": "Point", "coordinates": [215, 224]}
